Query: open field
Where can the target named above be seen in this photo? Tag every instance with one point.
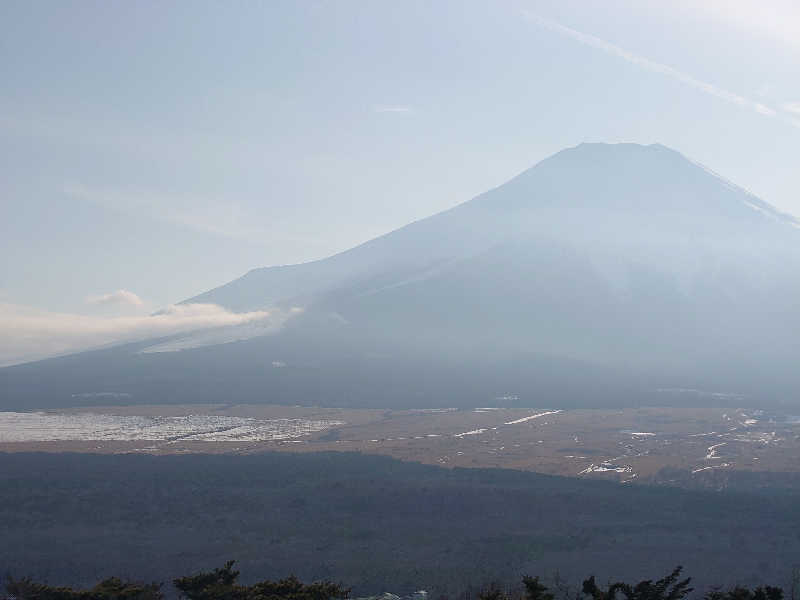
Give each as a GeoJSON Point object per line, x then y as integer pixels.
{"type": "Point", "coordinates": [624, 445]}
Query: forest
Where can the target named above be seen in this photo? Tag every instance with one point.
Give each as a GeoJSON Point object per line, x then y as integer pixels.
{"type": "Point", "coordinates": [374, 523]}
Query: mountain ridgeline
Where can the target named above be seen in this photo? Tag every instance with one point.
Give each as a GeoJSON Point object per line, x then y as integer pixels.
{"type": "Point", "coordinates": [603, 275]}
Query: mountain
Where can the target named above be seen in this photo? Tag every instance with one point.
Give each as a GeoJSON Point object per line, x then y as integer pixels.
{"type": "Point", "coordinates": [601, 275]}
{"type": "Point", "coordinates": [587, 195]}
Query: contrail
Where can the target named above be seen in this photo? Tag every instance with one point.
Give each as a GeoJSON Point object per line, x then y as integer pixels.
{"type": "Point", "coordinates": [653, 66]}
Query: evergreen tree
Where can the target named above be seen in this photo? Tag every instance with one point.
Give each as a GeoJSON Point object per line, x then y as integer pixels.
{"type": "Point", "coordinates": [108, 589]}
{"type": "Point", "coordinates": [221, 584]}
{"type": "Point", "coordinates": [535, 590]}
{"type": "Point", "coordinates": [667, 588]}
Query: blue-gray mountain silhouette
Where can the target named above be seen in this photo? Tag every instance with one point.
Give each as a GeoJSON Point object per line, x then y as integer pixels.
{"type": "Point", "coordinates": [598, 276]}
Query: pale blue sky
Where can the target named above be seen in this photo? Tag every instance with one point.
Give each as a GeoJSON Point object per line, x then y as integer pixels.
{"type": "Point", "coordinates": [166, 148]}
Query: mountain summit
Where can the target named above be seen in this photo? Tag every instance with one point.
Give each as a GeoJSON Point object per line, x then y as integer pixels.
{"type": "Point", "coordinates": [590, 194]}
{"type": "Point", "coordinates": [599, 276]}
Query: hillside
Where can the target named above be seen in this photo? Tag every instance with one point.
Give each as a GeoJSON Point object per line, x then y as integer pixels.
{"type": "Point", "coordinates": [592, 279]}
{"type": "Point", "coordinates": [373, 523]}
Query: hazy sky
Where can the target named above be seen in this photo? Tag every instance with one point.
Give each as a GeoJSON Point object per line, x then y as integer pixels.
{"type": "Point", "coordinates": [166, 148]}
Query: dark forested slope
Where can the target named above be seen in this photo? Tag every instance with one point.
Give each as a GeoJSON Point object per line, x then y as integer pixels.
{"type": "Point", "coordinates": [376, 524]}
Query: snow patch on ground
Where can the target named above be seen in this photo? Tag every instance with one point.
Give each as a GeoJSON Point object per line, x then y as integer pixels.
{"type": "Point", "coordinates": [606, 467]}
{"type": "Point", "coordinates": [711, 453]}
{"type": "Point", "coordinates": [719, 466]}
{"type": "Point", "coordinates": [46, 427]}
{"type": "Point", "coordinates": [531, 417]}
{"type": "Point", "coordinates": [473, 432]}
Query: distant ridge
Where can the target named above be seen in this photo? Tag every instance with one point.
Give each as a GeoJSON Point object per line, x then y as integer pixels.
{"type": "Point", "coordinates": [596, 277]}
{"type": "Point", "coordinates": [646, 166]}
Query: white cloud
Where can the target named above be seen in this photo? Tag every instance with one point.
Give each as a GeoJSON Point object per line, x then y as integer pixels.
{"type": "Point", "coordinates": [123, 297]}
{"type": "Point", "coordinates": [792, 107]}
{"type": "Point", "coordinates": [200, 214]}
{"type": "Point", "coordinates": [652, 66]}
{"type": "Point", "coordinates": [218, 217]}
{"type": "Point", "coordinates": [776, 20]}
{"type": "Point", "coordinates": [765, 110]}
{"type": "Point", "coordinates": [382, 108]}
{"type": "Point", "coordinates": [30, 334]}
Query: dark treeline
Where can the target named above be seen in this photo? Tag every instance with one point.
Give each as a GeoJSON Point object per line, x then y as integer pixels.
{"type": "Point", "coordinates": [223, 584]}
{"type": "Point", "coordinates": [373, 522]}
{"type": "Point", "coordinates": [219, 584]}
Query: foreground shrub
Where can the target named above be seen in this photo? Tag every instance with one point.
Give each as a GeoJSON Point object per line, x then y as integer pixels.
{"type": "Point", "coordinates": [222, 584]}
{"type": "Point", "coordinates": [108, 589]}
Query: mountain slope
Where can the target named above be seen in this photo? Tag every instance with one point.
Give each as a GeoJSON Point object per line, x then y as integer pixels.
{"type": "Point", "coordinates": [604, 253]}
{"type": "Point", "coordinates": [597, 277]}
{"type": "Point", "coordinates": [590, 193]}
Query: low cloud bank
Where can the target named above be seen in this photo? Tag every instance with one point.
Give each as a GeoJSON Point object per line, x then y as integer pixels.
{"type": "Point", "coordinates": [28, 334]}
{"type": "Point", "coordinates": [118, 297]}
